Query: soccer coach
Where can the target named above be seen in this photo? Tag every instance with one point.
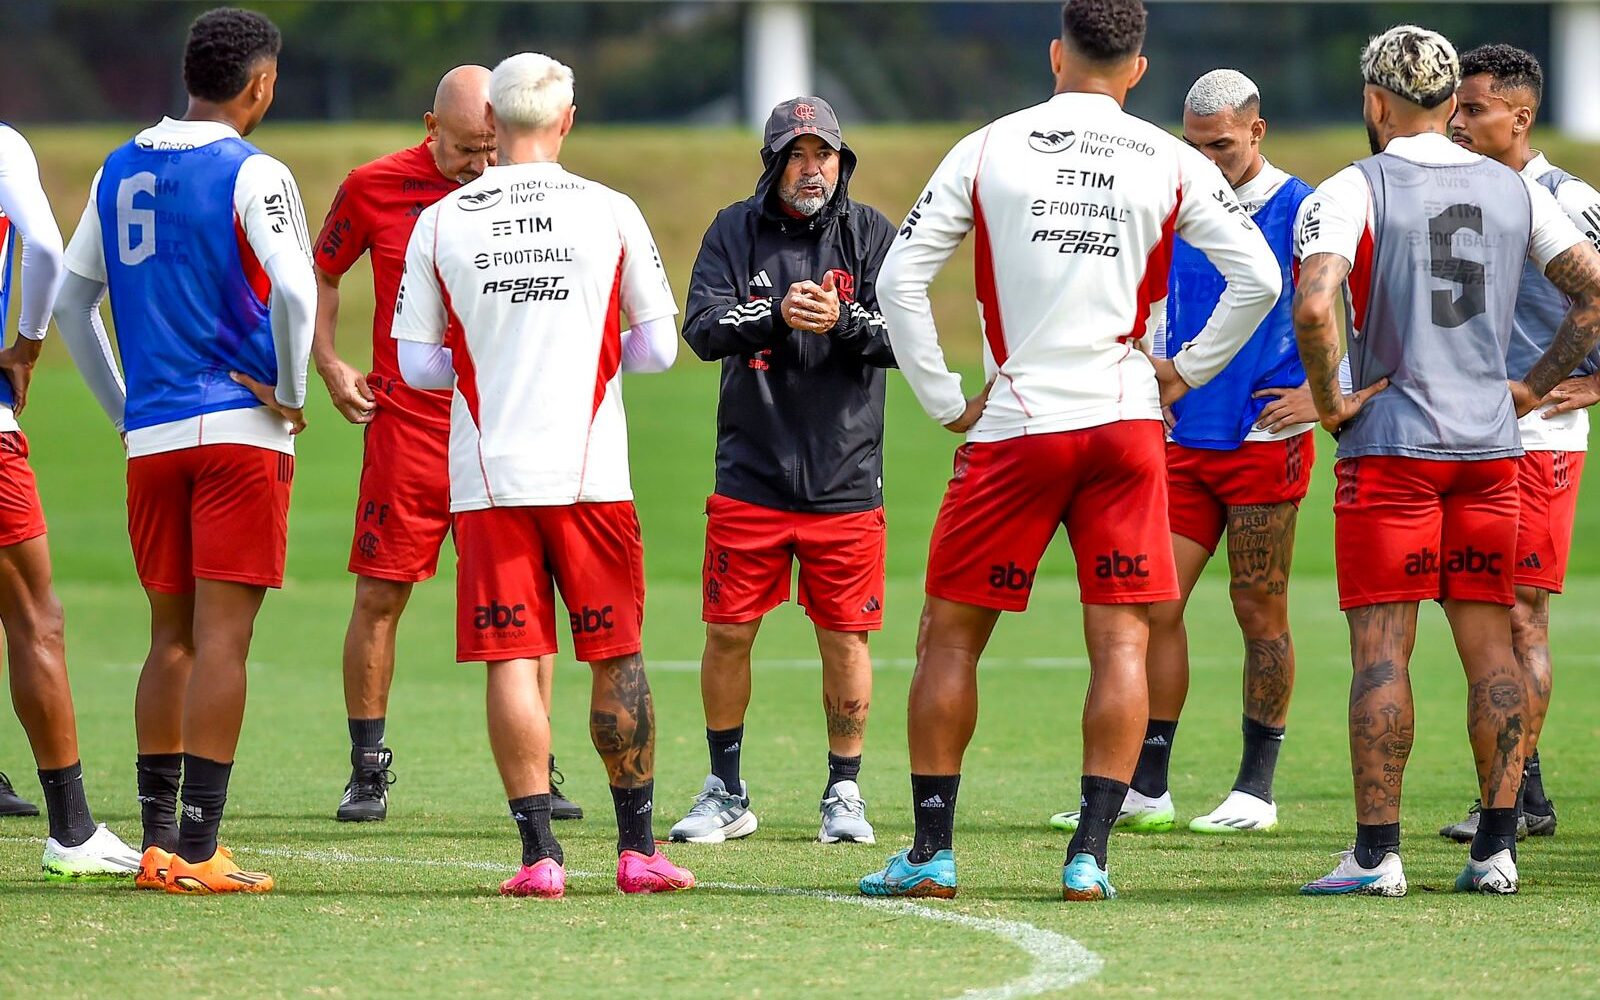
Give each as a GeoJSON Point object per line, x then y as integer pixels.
{"type": "Point", "coordinates": [783, 295]}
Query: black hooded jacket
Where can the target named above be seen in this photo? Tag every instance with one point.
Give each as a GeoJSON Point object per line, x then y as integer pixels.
{"type": "Point", "coordinates": [800, 417]}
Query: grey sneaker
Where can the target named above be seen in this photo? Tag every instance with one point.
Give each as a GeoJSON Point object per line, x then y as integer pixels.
{"type": "Point", "coordinates": [716, 815]}
{"type": "Point", "coordinates": [1541, 826]}
{"type": "Point", "coordinates": [844, 816]}
{"type": "Point", "coordinates": [1464, 831]}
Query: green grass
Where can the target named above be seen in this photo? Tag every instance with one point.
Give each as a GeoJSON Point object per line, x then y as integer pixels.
{"type": "Point", "coordinates": [408, 907]}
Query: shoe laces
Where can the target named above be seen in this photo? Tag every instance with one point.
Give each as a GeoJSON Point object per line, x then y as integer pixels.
{"type": "Point", "coordinates": [837, 805]}
{"type": "Point", "coordinates": [368, 784]}
{"type": "Point", "coordinates": [710, 802]}
{"type": "Point", "coordinates": [556, 777]}
{"type": "Point", "coordinates": [1477, 807]}
{"type": "Point", "coordinates": [5, 784]}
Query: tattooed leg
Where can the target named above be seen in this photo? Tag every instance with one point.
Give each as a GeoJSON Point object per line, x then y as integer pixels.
{"type": "Point", "coordinates": [846, 688]}
{"type": "Point", "coordinates": [1117, 706]}
{"type": "Point", "coordinates": [1530, 640]}
{"type": "Point", "coordinates": [943, 708]}
{"type": "Point", "coordinates": [1260, 550]}
{"type": "Point", "coordinates": [1497, 698]}
{"type": "Point", "coordinates": [1382, 716]}
{"type": "Point", "coordinates": [519, 727]}
{"type": "Point", "coordinates": [1167, 664]}
{"type": "Point", "coordinates": [622, 720]}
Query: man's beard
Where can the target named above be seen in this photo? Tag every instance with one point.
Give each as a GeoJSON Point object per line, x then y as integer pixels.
{"type": "Point", "coordinates": [1372, 139]}
{"type": "Point", "coordinates": [807, 206]}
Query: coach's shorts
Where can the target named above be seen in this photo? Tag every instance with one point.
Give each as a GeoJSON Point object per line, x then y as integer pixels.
{"type": "Point", "coordinates": [217, 512]}
{"type": "Point", "coordinates": [403, 509]}
{"type": "Point", "coordinates": [1203, 483]}
{"type": "Point", "coordinates": [749, 555]}
{"type": "Point", "coordinates": [507, 558]}
{"type": "Point", "coordinates": [21, 514]}
{"type": "Point", "coordinates": [1413, 529]}
{"type": "Point", "coordinates": [1106, 484]}
{"type": "Point", "coordinates": [1547, 485]}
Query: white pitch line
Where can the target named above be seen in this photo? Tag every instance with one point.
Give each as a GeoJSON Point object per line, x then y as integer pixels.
{"type": "Point", "coordinates": [1058, 961]}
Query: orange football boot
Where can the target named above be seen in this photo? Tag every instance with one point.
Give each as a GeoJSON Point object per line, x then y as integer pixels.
{"type": "Point", "coordinates": [218, 874]}
{"type": "Point", "coordinates": [153, 865]}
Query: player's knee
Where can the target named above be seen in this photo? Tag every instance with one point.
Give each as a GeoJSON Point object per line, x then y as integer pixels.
{"type": "Point", "coordinates": [730, 639]}
{"type": "Point", "coordinates": [1530, 616]}
{"type": "Point", "coordinates": [380, 600]}
{"type": "Point", "coordinates": [1260, 613]}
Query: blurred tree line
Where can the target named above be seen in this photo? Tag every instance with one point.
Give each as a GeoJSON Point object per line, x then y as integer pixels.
{"type": "Point", "coordinates": [673, 62]}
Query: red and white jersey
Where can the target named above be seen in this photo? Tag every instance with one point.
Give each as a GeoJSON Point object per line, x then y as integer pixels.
{"type": "Point", "coordinates": [1073, 204]}
{"type": "Point", "coordinates": [524, 274]}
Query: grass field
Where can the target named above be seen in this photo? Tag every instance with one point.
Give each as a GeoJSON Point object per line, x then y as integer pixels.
{"type": "Point", "coordinates": [407, 908]}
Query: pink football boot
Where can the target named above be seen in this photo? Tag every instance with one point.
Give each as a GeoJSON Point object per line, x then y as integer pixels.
{"type": "Point", "coordinates": [637, 873]}
{"type": "Point", "coordinates": [545, 879]}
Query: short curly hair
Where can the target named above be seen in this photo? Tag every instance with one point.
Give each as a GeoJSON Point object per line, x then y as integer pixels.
{"type": "Point", "coordinates": [1508, 67]}
{"type": "Point", "coordinates": [1104, 30]}
{"type": "Point", "coordinates": [1415, 63]}
{"type": "Point", "coordinates": [224, 46]}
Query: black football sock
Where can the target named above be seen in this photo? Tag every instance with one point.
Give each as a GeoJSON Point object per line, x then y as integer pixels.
{"type": "Point", "coordinates": [71, 822]}
{"type": "Point", "coordinates": [158, 775]}
{"type": "Point", "coordinates": [933, 802]}
{"type": "Point", "coordinates": [1374, 840]}
{"type": "Point", "coordinates": [842, 769]}
{"type": "Point", "coordinates": [1097, 809]}
{"type": "Point", "coordinates": [1533, 797]}
{"type": "Point", "coordinates": [1150, 774]}
{"type": "Point", "coordinates": [205, 792]}
{"type": "Point", "coordinates": [532, 816]}
{"type": "Point", "coordinates": [725, 745]}
{"type": "Point", "coordinates": [366, 732]}
{"type": "Point", "coordinates": [635, 809]}
{"type": "Point", "coordinates": [1497, 831]}
{"type": "Point", "coordinates": [1260, 760]}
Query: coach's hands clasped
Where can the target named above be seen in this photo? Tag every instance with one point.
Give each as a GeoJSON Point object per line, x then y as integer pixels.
{"type": "Point", "coordinates": [810, 306]}
{"type": "Point", "coordinates": [268, 396]}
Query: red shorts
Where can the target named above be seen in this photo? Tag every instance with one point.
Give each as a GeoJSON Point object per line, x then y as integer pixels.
{"type": "Point", "coordinates": [403, 509]}
{"type": "Point", "coordinates": [749, 551]}
{"type": "Point", "coordinates": [217, 512]}
{"type": "Point", "coordinates": [506, 559]}
{"type": "Point", "coordinates": [1414, 529]}
{"type": "Point", "coordinates": [1107, 484]}
{"type": "Point", "coordinates": [21, 515]}
{"type": "Point", "coordinates": [1203, 483]}
{"type": "Point", "coordinates": [1547, 483]}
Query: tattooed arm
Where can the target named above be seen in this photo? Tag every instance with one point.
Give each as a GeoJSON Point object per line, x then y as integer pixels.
{"type": "Point", "coordinates": [1577, 273]}
{"type": "Point", "coordinates": [1315, 329]}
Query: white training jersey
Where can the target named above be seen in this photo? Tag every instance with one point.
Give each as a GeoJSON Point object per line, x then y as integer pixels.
{"type": "Point", "coordinates": [25, 212]}
{"type": "Point", "coordinates": [270, 218]}
{"type": "Point", "coordinates": [1565, 431]}
{"type": "Point", "coordinates": [1073, 204]}
{"type": "Point", "coordinates": [524, 275]}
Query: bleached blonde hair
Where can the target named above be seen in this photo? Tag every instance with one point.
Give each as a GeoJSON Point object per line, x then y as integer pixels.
{"type": "Point", "coordinates": [530, 91]}
{"type": "Point", "coordinates": [1419, 65]}
{"type": "Point", "coordinates": [1222, 90]}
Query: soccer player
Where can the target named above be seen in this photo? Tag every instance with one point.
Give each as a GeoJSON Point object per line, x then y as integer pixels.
{"type": "Point", "coordinates": [1074, 205]}
{"type": "Point", "coordinates": [1497, 104]}
{"type": "Point", "coordinates": [76, 846]}
{"type": "Point", "coordinates": [1428, 241]}
{"type": "Point", "coordinates": [1238, 457]}
{"type": "Point", "coordinates": [784, 295]}
{"type": "Point", "coordinates": [403, 510]}
{"type": "Point", "coordinates": [514, 289]}
{"type": "Point", "coordinates": [201, 240]}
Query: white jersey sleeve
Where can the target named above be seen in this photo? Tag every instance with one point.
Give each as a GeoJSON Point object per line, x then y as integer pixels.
{"type": "Point", "coordinates": [1553, 231]}
{"type": "Point", "coordinates": [23, 201]}
{"type": "Point", "coordinates": [936, 225]}
{"type": "Point", "coordinates": [86, 254]}
{"type": "Point", "coordinates": [1334, 216]}
{"type": "Point", "coordinates": [1211, 220]}
{"type": "Point", "coordinates": [419, 310]}
{"type": "Point", "coordinates": [267, 201]}
{"type": "Point", "coordinates": [1581, 202]}
{"type": "Point", "coordinates": [645, 293]}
